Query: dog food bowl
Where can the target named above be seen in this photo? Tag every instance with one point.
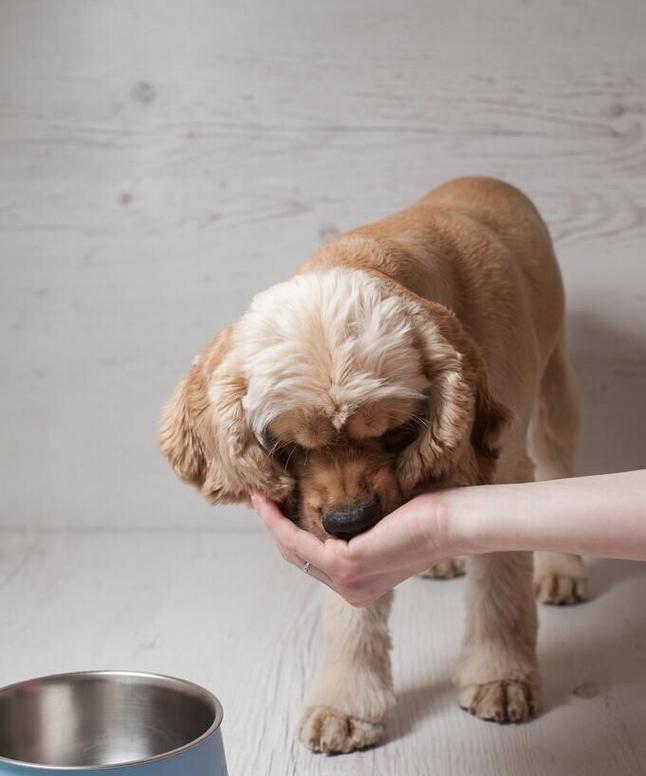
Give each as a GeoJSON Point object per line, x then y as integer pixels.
{"type": "Point", "coordinates": [110, 723]}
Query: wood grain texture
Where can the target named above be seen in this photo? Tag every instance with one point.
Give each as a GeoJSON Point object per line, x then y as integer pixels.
{"type": "Point", "coordinates": [160, 162]}
{"type": "Point", "coordinates": [224, 610]}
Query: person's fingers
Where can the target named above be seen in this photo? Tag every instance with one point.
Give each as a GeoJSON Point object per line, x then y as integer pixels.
{"type": "Point", "coordinates": [330, 562]}
{"type": "Point", "coordinates": [357, 572]}
{"type": "Point", "coordinates": [321, 576]}
{"type": "Point", "coordinates": [367, 555]}
{"type": "Point", "coordinates": [296, 545]}
{"type": "Point", "coordinates": [292, 538]}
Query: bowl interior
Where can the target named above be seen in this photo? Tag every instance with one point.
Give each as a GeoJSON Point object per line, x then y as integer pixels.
{"type": "Point", "coordinates": [97, 719]}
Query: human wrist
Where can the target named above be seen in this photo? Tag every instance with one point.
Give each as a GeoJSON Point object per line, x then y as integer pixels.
{"type": "Point", "coordinates": [470, 528]}
{"type": "Point", "coordinates": [446, 526]}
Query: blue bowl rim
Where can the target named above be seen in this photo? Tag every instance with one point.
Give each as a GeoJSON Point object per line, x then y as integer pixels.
{"type": "Point", "coordinates": [201, 691]}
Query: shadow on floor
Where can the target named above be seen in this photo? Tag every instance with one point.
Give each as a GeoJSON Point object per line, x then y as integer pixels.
{"type": "Point", "coordinates": [611, 375]}
{"type": "Point", "coordinates": [416, 704]}
{"type": "Point", "coordinates": [606, 574]}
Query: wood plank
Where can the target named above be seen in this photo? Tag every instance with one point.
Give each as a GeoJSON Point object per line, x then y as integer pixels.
{"type": "Point", "coordinates": [224, 610]}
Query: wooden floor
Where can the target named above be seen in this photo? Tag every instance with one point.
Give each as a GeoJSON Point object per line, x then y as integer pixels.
{"type": "Point", "coordinates": [222, 609]}
{"type": "Point", "coordinates": [160, 162]}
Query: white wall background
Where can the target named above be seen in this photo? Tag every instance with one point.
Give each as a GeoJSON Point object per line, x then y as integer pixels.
{"type": "Point", "coordinates": [161, 161]}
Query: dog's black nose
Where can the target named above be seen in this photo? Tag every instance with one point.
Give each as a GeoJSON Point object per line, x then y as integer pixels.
{"type": "Point", "coordinates": [348, 520]}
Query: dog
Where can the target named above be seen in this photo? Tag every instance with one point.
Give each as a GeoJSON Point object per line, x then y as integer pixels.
{"type": "Point", "coordinates": [425, 350]}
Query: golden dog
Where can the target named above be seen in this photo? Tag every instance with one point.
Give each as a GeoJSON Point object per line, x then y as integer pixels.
{"type": "Point", "coordinates": [424, 350]}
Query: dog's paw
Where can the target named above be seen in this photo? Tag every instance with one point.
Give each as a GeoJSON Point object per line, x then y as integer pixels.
{"type": "Point", "coordinates": [445, 569]}
{"type": "Point", "coordinates": [560, 589]}
{"type": "Point", "coordinates": [324, 729]}
{"type": "Point", "coordinates": [559, 578]}
{"type": "Point", "coordinates": [502, 701]}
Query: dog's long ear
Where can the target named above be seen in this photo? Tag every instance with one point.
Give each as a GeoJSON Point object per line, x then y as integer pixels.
{"type": "Point", "coordinates": [460, 443]}
{"type": "Point", "coordinates": [179, 438]}
{"type": "Point", "coordinates": [205, 436]}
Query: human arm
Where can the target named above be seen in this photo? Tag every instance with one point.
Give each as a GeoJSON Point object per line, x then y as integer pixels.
{"type": "Point", "coordinates": [599, 515]}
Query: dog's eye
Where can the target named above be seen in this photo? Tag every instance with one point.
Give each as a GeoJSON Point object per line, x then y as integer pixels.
{"type": "Point", "coordinates": [287, 453]}
{"type": "Point", "coordinates": [397, 439]}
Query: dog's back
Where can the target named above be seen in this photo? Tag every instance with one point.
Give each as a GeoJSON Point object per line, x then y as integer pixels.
{"type": "Point", "coordinates": [479, 247]}
{"type": "Point", "coordinates": [508, 214]}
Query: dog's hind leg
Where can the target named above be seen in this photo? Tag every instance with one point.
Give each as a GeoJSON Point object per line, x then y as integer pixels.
{"type": "Point", "coordinates": [353, 695]}
{"type": "Point", "coordinates": [446, 569]}
{"type": "Point", "coordinates": [559, 578]}
{"type": "Point", "coordinates": [498, 670]}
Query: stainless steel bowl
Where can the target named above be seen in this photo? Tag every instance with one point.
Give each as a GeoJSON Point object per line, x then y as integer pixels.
{"type": "Point", "coordinates": [104, 720]}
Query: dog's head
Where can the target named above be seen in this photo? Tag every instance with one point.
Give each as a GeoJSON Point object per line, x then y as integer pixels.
{"type": "Point", "coordinates": [337, 396]}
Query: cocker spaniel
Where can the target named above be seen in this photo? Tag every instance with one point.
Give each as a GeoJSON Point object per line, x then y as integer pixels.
{"type": "Point", "coordinates": [423, 350]}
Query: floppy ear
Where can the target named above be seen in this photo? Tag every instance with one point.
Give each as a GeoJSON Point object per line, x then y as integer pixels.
{"type": "Point", "coordinates": [205, 436]}
{"type": "Point", "coordinates": [179, 439]}
{"type": "Point", "coordinates": [491, 419]}
{"type": "Point", "coordinates": [460, 443]}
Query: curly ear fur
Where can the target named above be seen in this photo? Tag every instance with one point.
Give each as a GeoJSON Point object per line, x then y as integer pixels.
{"type": "Point", "coordinates": [179, 439]}
{"type": "Point", "coordinates": [459, 446]}
{"type": "Point", "coordinates": [205, 436]}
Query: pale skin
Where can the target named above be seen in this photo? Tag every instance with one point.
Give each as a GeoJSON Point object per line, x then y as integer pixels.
{"type": "Point", "coordinates": [603, 515]}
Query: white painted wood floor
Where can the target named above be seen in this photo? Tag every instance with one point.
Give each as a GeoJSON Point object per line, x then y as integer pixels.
{"type": "Point", "coordinates": [163, 160]}
{"type": "Point", "coordinates": [223, 609]}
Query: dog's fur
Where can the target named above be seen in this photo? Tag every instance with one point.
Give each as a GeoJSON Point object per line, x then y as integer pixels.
{"type": "Point", "coordinates": [424, 350]}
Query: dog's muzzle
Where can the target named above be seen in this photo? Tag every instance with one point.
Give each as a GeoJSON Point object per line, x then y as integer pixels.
{"type": "Point", "coordinates": [348, 520]}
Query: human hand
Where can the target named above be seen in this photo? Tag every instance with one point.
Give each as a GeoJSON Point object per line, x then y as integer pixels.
{"type": "Point", "coordinates": [466, 521]}
{"type": "Point", "coordinates": [402, 544]}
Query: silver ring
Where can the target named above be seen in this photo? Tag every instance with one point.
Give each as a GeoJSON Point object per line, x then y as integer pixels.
{"type": "Point", "coordinates": [306, 567]}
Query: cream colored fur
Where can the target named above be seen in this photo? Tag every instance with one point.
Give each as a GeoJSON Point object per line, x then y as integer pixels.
{"type": "Point", "coordinates": [330, 340]}
{"type": "Point", "coordinates": [349, 702]}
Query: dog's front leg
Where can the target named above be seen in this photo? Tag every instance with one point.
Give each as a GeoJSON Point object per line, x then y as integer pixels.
{"type": "Point", "coordinates": [498, 672]}
{"type": "Point", "coordinates": [353, 694]}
